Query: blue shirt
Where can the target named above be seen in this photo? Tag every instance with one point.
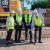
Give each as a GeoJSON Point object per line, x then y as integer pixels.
{"type": "Point", "coordinates": [33, 25]}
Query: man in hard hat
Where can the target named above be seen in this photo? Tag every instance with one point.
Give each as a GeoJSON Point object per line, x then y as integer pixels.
{"type": "Point", "coordinates": [27, 24]}
{"type": "Point", "coordinates": [10, 27]}
{"type": "Point", "coordinates": [37, 23]}
{"type": "Point", "coordinates": [18, 25]}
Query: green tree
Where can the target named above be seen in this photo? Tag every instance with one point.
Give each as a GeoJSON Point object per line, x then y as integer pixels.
{"type": "Point", "coordinates": [22, 1]}
{"type": "Point", "coordinates": [41, 4]}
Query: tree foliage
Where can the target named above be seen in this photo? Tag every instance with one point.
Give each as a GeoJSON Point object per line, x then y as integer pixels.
{"type": "Point", "coordinates": [41, 4]}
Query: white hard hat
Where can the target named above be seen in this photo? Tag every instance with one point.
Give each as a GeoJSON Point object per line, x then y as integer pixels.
{"type": "Point", "coordinates": [12, 11]}
{"type": "Point", "coordinates": [27, 8]}
{"type": "Point", "coordinates": [35, 11]}
{"type": "Point", "coordinates": [19, 9]}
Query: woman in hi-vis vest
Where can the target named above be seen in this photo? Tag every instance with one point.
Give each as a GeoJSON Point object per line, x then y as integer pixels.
{"type": "Point", "coordinates": [10, 27]}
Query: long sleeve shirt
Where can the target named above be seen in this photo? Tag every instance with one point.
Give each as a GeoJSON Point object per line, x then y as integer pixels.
{"type": "Point", "coordinates": [8, 20]}
{"type": "Point", "coordinates": [33, 17]}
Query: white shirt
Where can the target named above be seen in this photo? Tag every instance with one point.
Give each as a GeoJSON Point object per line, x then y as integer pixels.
{"type": "Point", "coordinates": [10, 19]}
{"type": "Point", "coordinates": [32, 25]}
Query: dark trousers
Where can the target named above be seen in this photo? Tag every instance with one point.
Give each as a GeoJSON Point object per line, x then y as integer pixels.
{"type": "Point", "coordinates": [40, 32]}
{"type": "Point", "coordinates": [18, 32]}
{"type": "Point", "coordinates": [26, 32]}
{"type": "Point", "coordinates": [9, 35]}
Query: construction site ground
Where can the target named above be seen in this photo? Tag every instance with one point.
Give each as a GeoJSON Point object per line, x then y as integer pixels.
{"type": "Point", "coordinates": [26, 45]}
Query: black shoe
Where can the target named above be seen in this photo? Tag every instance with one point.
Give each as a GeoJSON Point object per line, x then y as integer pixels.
{"type": "Point", "coordinates": [31, 41]}
{"type": "Point", "coordinates": [16, 41]}
{"type": "Point", "coordinates": [34, 43]}
{"type": "Point", "coordinates": [6, 43]}
{"type": "Point", "coordinates": [19, 41]}
{"type": "Point", "coordinates": [39, 42]}
{"type": "Point", "coordinates": [10, 43]}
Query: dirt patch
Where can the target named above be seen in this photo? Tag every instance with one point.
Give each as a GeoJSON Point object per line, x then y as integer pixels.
{"type": "Point", "coordinates": [45, 34]}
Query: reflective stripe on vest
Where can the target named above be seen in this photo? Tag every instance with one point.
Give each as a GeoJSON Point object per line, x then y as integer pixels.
{"type": "Point", "coordinates": [38, 21]}
{"type": "Point", "coordinates": [18, 18]}
{"type": "Point", "coordinates": [10, 23]}
{"type": "Point", "coordinates": [26, 18]}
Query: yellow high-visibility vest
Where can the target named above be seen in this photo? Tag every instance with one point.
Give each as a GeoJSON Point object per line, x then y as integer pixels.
{"type": "Point", "coordinates": [10, 23]}
{"type": "Point", "coordinates": [18, 18]}
{"type": "Point", "coordinates": [28, 18]}
{"type": "Point", "coordinates": [38, 21]}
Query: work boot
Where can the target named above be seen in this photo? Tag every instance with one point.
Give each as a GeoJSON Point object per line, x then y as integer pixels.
{"type": "Point", "coordinates": [16, 41]}
{"type": "Point", "coordinates": [19, 41]}
{"type": "Point", "coordinates": [31, 41]}
{"type": "Point", "coordinates": [40, 42]}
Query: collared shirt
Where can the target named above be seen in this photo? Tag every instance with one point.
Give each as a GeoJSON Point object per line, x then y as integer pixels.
{"type": "Point", "coordinates": [33, 17]}
{"type": "Point", "coordinates": [8, 20]}
{"type": "Point", "coordinates": [16, 20]}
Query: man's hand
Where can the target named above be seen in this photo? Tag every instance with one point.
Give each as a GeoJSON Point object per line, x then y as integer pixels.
{"type": "Point", "coordinates": [8, 29]}
{"type": "Point", "coordinates": [33, 29]}
{"type": "Point", "coordinates": [23, 25]}
{"type": "Point", "coordinates": [19, 24]}
{"type": "Point", "coordinates": [43, 25]}
{"type": "Point", "coordinates": [27, 24]}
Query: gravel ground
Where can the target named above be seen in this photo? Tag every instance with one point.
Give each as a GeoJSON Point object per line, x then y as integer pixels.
{"type": "Point", "coordinates": [26, 46]}
{"type": "Point", "coordinates": [45, 34]}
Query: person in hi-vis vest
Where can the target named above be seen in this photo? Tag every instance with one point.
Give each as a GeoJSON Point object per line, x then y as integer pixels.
{"type": "Point", "coordinates": [18, 25]}
{"type": "Point", "coordinates": [27, 23]}
{"type": "Point", "coordinates": [10, 27]}
{"type": "Point", "coordinates": [37, 23]}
